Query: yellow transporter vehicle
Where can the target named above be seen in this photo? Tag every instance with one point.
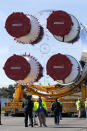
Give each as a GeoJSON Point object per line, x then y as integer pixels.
{"type": "Point", "coordinates": [67, 96]}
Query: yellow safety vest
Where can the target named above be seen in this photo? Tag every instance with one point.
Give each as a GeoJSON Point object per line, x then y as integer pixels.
{"type": "Point", "coordinates": [36, 105]}
{"type": "Point", "coordinates": [85, 104]}
{"type": "Point", "coordinates": [78, 104]}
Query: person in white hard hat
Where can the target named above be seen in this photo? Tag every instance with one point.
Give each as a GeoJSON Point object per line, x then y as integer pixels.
{"type": "Point", "coordinates": [78, 106]}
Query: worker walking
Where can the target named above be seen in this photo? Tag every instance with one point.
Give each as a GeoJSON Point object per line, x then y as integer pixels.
{"type": "Point", "coordinates": [40, 108]}
{"type": "Point", "coordinates": [86, 107]}
{"type": "Point", "coordinates": [28, 110]}
{"type": "Point", "coordinates": [56, 109]}
{"type": "Point", "coordinates": [78, 106]}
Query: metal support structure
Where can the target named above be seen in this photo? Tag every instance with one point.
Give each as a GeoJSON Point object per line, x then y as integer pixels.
{"type": "Point", "coordinates": [84, 92]}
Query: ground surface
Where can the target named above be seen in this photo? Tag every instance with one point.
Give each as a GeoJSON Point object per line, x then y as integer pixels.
{"type": "Point", "coordinates": [10, 123]}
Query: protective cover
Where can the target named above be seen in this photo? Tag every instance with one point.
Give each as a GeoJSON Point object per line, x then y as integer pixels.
{"type": "Point", "coordinates": [17, 24]}
{"type": "Point", "coordinates": [59, 67]}
{"type": "Point", "coordinates": [16, 67]}
{"type": "Point", "coordinates": [59, 23]}
{"type": "Point", "coordinates": [73, 35]}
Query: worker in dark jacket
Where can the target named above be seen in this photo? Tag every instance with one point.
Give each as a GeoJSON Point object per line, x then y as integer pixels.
{"type": "Point", "coordinates": [56, 109]}
{"type": "Point", "coordinates": [28, 110]}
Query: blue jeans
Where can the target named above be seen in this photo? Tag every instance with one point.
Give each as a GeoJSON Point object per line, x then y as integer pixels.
{"type": "Point", "coordinates": [60, 115]}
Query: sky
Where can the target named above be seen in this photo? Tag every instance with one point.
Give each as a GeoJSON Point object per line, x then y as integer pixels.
{"type": "Point", "coordinates": [8, 46]}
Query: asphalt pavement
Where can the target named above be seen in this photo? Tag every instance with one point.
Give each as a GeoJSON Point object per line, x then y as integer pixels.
{"type": "Point", "coordinates": [10, 123]}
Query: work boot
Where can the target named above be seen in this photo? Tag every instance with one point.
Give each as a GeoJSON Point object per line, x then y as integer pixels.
{"type": "Point", "coordinates": [35, 124]}
{"type": "Point", "coordinates": [45, 125]}
{"type": "Point", "coordinates": [31, 125]}
{"type": "Point", "coordinates": [40, 126]}
{"type": "Point", "coordinates": [26, 125]}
